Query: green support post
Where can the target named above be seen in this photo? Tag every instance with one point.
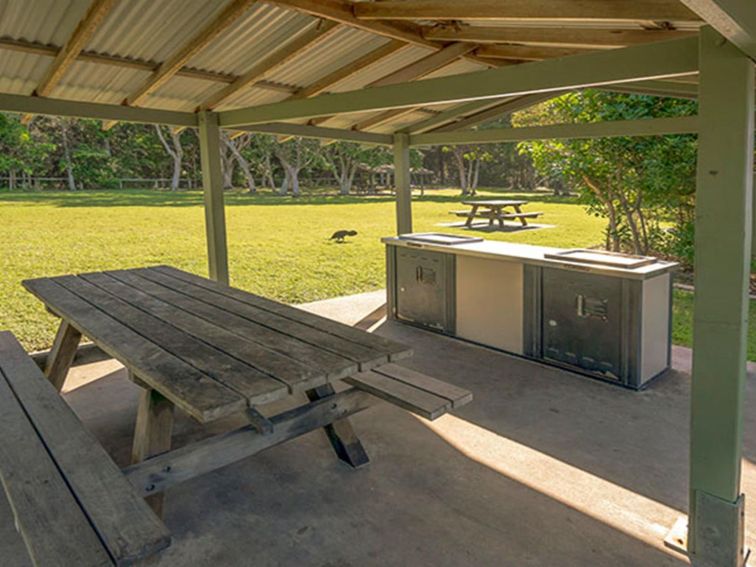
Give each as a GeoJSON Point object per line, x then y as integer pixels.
{"type": "Point", "coordinates": [215, 216]}
{"type": "Point", "coordinates": [722, 261]}
{"type": "Point", "coordinates": [402, 182]}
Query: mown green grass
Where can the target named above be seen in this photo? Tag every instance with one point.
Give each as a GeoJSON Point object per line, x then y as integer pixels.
{"type": "Point", "coordinates": [278, 246]}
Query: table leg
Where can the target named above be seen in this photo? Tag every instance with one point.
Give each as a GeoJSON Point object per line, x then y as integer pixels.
{"type": "Point", "coordinates": [523, 220]}
{"type": "Point", "coordinates": [152, 434]}
{"type": "Point", "coordinates": [340, 433]}
{"type": "Point", "coordinates": [473, 211]}
{"type": "Point", "coordinates": [62, 354]}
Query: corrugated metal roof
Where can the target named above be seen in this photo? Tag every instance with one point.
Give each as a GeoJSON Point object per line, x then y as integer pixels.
{"type": "Point", "coordinates": [153, 30]}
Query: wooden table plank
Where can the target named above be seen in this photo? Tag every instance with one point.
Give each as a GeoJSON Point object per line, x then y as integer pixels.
{"type": "Point", "coordinates": [123, 521]}
{"type": "Point", "coordinates": [53, 526]}
{"type": "Point", "coordinates": [333, 366]}
{"type": "Point", "coordinates": [275, 313]}
{"type": "Point", "coordinates": [232, 373]}
{"type": "Point", "coordinates": [191, 390]}
{"type": "Point", "coordinates": [258, 388]}
{"type": "Point", "coordinates": [362, 355]}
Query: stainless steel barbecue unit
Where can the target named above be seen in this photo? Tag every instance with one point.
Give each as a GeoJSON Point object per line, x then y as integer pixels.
{"type": "Point", "coordinates": [599, 313]}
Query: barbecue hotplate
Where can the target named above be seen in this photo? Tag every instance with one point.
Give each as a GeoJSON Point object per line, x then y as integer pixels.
{"type": "Point", "coordinates": [601, 258]}
{"type": "Point", "coordinates": [440, 238]}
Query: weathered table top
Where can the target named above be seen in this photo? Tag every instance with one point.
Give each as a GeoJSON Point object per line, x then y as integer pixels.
{"type": "Point", "coordinates": [212, 350]}
{"type": "Point", "coordinates": [495, 203]}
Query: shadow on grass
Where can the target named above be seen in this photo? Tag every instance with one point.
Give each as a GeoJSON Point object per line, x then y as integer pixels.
{"type": "Point", "coordinates": [153, 198]}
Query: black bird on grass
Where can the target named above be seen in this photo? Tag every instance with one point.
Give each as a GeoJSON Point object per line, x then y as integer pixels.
{"type": "Point", "coordinates": [340, 235]}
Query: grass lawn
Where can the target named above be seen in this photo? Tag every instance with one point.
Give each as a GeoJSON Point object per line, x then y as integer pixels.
{"type": "Point", "coordinates": [278, 246]}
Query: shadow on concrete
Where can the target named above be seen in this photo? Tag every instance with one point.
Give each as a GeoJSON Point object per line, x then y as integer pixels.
{"type": "Point", "coordinates": [422, 501]}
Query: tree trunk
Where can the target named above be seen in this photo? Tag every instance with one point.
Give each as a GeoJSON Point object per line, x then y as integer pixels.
{"type": "Point", "coordinates": [67, 156]}
{"type": "Point", "coordinates": [242, 162]}
{"type": "Point", "coordinates": [459, 158]}
{"type": "Point", "coordinates": [176, 152]}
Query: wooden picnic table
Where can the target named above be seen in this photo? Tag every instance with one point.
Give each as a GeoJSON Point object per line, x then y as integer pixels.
{"type": "Point", "coordinates": [495, 211]}
{"type": "Point", "coordinates": [214, 351]}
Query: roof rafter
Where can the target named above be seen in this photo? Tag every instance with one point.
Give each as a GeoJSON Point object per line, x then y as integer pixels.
{"type": "Point", "coordinates": [301, 43]}
{"type": "Point", "coordinates": [67, 54]}
{"type": "Point", "coordinates": [451, 115]}
{"type": "Point", "coordinates": [569, 10]}
{"type": "Point", "coordinates": [556, 37]}
{"type": "Point", "coordinates": [342, 11]}
{"type": "Point", "coordinates": [346, 71]}
{"type": "Point", "coordinates": [139, 64]}
{"type": "Point", "coordinates": [652, 61]}
{"type": "Point", "coordinates": [74, 46]}
{"type": "Point", "coordinates": [98, 111]}
{"type": "Point", "coordinates": [24, 46]}
{"type": "Point", "coordinates": [416, 70]}
{"type": "Point", "coordinates": [181, 56]}
{"type": "Point", "coordinates": [525, 52]}
{"type": "Point", "coordinates": [734, 19]}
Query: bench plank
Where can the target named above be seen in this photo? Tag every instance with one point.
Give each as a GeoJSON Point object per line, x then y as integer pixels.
{"type": "Point", "coordinates": [457, 396]}
{"type": "Point", "coordinates": [53, 526]}
{"type": "Point", "coordinates": [125, 524]}
{"type": "Point", "coordinates": [191, 390]}
{"type": "Point", "coordinates": [403, 395]}
{"type": "Point", "coordinates": [395, 350]}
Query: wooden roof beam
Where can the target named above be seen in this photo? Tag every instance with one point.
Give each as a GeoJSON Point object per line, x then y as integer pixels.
{"type": "Point", "coordinates": [416, 70]}
{"type": "Point", "coordinates": [74, 46]}
{"type": "Point", "coordinates": [341, 11]}
{"type": "Point", "coordinates": [67, 55]}
{"type": "Point", "coordinates": [734, 19]}
{"type": "Point", "coordinates": [36, 48]}
{"type": "Point", "coordinates": [564, 10]}
{"type": "Point", "coordinates": [642, 62]}
{"type": "Point", "coordinates": [525, 52]}
{"type": "Point", "coordinates": [301, 43]}
{"type": "Point", "coordinates": [346, 71]}
{"type": "Point", "coordinates": [181, 57]}
{"type": "Point", "coordinates": [555, 37]}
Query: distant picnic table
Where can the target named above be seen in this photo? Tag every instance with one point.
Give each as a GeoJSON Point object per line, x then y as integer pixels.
{"type": "Point", "coordinates": [495, 210]}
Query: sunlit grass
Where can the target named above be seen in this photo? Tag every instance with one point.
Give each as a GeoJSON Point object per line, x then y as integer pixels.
{"type": "Point", "coordinates": [278, 246]}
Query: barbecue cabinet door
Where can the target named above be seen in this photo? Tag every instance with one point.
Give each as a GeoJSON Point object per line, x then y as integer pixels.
{"type": "Point", "coordinates": [582, 321]}
{"type": "Point", "coordinates": [422, 290]}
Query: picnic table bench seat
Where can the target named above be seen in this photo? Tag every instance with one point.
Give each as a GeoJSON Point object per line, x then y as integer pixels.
{"type": "Point", "coordinates": [413, 391]}
{"type": "Point", "coordinates": [72, 504]}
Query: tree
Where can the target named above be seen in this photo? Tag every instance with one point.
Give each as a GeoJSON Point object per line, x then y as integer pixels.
{"type": "Point", "coordinates": [635, 183]}
{"type": "Point", "coordinates": [175, 150]}
{"type": "Point", "coordinates": [295, 155]}
{"type": "Point", "coordinates": [20, 150]}
{"type": "Point", "coordinates": [236, 146]}
{"type": "Point", "coordinates": [343, 159]}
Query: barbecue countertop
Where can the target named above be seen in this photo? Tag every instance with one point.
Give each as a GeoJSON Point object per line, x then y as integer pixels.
{"type": "Point", "coordinates": [533, 255]}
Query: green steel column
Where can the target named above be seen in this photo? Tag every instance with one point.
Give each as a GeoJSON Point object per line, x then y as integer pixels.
{"type": "Point", "coordinates": [215, 216]}
{"type": "Point", "coordinates": [402, 181]}
{"type": "Point", "coordinates": [722, 262]}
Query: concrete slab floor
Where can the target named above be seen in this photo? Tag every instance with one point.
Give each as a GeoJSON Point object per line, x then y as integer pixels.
{"type": "Point", "coordinates": [544, 467]}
